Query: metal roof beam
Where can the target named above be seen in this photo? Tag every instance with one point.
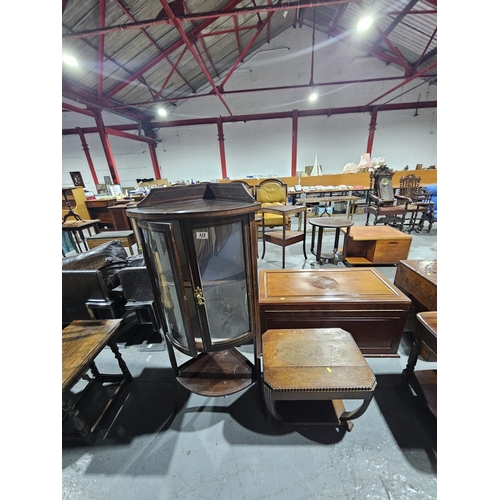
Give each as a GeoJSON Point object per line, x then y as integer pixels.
{"type": "Point", "coordinates": [192, 49]}
{"type": "Point", "coordinates": [264, 89]}
{"type": "Point", "coordinates": [407, 80]}
{"type": "Point", "coordinates": [247, 48]}
{"type": "Point", "coordinates": [402, 61]}
{"type": "Point", "coordinates": [90, 100]}
{"type": "Point", "coordinates": [213, 15]}
{"type": "Point", "coordinates": [269, 116]}
{"type": "Point", "coordinates": [125, 135]}
{"type": "Point", "coordinates": [175, 46]}
{"type": "Point", "coordinates": [130, 16]}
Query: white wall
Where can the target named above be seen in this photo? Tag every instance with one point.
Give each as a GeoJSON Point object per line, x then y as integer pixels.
{"type": "Point", "coordinates": [264, 147]}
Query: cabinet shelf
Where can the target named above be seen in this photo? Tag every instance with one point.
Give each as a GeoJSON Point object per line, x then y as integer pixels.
{"type": "Point", "coordinates": [217, 373]}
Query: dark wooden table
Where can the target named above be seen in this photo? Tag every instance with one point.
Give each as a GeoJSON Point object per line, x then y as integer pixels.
{"type": "Point", "coordinates": [76, 227]}
{"type": "Point", "coordinates": [308, 372]}
{"type": "Point", "coordinates": [424, 382]}
{"type": "Point", "coordinates": [82, 341]}
{"type": "Point", "coordinates": [417, 279]}
{"type": "Point", "coordinates": [330, 223]}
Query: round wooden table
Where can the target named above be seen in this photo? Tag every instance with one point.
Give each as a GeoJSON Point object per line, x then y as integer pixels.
{"type": "Point", "coordinates": [331, 223]}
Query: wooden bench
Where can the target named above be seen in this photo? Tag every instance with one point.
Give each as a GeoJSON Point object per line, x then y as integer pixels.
{"type": "Point", "coordinates": [126, 238]}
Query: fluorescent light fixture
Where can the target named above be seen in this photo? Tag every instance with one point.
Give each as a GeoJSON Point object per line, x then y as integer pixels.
{"type": "Point", "coordinates": [365, 22]}
{"type": "Point", "coordinates": [314, 95]}
{"type": "Point", "coordinates": [161, 112]}
{"type": "Point", "coordinates": [69, 60]}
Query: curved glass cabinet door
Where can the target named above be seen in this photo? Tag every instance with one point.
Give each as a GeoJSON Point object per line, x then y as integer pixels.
{"type": "Point", "coordinates": [221, 288]}
{"type": "Point", "coordinates": [169, 285]}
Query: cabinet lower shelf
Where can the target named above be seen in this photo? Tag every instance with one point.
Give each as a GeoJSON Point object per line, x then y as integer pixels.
{"type": "Point", "coordinates": [217, 373]}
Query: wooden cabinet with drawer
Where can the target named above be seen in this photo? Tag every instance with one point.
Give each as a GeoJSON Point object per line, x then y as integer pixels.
{"type": "Point", "coordinates": [98, 209]}
{"type": "Point", "coordinates": [375, 245]}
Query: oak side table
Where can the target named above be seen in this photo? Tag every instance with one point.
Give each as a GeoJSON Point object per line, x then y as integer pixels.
{"type": "Point", "coordinates": [308, 372]}
{"type": "Point", "coordinates": [284, 238]}
{"type": "Point", "coordinates": [331, 223]}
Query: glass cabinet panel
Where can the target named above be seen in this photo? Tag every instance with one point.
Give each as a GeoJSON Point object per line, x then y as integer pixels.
{"type": "Point", "coordinates": [169, 284]}
{"type": "Point", "coordinates": [221, 264]}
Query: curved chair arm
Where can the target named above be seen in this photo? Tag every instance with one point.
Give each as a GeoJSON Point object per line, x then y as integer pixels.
{"type": "Point", "coordinates": [375, 198]}
{"type": "Point", "coordinates": [403, 198]}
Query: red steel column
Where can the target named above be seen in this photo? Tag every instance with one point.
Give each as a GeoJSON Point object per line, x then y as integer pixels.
{"type": "Point", "coordinates": [87, 154]}
{"type": "Point", "coordinates": [371, 133]}
{"type": "Point", "coordinates": [222, 150]}
{"type": "Point", "coordinates": [107, 147]}
{"type": "Point", "coordinates": [154, 159]}
{"type": "Point", "coordinates": [295, 131]}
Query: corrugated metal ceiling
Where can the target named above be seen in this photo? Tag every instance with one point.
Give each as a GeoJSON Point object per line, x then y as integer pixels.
{"type": "Point", "coordinates": [137, 56]}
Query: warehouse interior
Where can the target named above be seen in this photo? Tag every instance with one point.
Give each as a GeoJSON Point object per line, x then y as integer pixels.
{"type": "Point", "coordinates": [227, 447]}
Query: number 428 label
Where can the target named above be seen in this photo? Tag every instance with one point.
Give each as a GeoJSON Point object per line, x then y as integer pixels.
{"type": "Point", "coordinates": [201, 235]}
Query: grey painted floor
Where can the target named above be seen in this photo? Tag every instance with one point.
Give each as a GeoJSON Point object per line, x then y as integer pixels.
{"type": "Point", "coordinates": [226, 448]}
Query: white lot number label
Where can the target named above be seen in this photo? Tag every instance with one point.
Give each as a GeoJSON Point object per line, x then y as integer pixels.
{"type": "Point", "coordinates": [201, 235]}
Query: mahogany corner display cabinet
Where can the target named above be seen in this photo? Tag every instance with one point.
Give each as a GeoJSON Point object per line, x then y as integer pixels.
{"type": "Point", "coordinates": [200, 247]}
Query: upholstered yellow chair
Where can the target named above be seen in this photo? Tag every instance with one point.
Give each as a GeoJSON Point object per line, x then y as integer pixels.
{"type": "Point", "coordinates": [268, 193]}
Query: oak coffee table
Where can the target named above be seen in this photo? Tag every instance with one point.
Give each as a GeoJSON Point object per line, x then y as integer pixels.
{"type": "Point", "coordinates": [308, 372]}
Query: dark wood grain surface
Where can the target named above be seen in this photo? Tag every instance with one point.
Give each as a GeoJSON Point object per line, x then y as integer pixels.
{"type": "Point", "coordinates": [82, 341]}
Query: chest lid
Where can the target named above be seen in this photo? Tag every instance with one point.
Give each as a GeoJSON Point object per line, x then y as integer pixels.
{"type": "Point", "coordinates": [321, 287]}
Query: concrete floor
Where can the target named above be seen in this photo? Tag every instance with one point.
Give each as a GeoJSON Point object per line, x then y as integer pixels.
{"type": "Point", "coordinates": [226, 448]}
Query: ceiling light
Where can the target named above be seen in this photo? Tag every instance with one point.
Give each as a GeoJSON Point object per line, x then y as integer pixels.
{"type": "Point", "coordinates": [69, 60]}
{"type": "Point", "coordinates": [161, 112]}
{"type": "Point", "coordinates": [365, 22]}
{"type": "Point", "coordinates": [314, 95]}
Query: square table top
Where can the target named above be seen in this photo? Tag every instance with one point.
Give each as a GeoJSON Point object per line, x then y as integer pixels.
{"type": "Point", "coordinates": [284, 209]}
{"type": "Point", "coordinates": [82, 341]}
{"type": "Point", "coordinates": [314, 359]}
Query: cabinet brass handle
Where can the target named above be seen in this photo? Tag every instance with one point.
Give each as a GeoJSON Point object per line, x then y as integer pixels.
{"type": "Point", "coordinates": [198, 295]}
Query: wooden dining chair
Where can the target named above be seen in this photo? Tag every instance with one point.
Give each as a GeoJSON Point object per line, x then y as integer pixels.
{"type": "Point", "coordinates": [420, 201]}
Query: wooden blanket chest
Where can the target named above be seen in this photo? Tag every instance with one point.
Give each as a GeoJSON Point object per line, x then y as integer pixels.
{"type": "Point", "coordinates": [361, 301]}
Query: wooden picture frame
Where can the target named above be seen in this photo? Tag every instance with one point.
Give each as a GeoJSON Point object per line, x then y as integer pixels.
{"type": "Point", "coordinates": [77, 179]}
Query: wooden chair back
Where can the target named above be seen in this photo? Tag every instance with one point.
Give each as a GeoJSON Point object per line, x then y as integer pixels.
{"type": "Point", "coordinates": [409, 186]}
{"type": "Point", "coordinates": [381, 185]}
